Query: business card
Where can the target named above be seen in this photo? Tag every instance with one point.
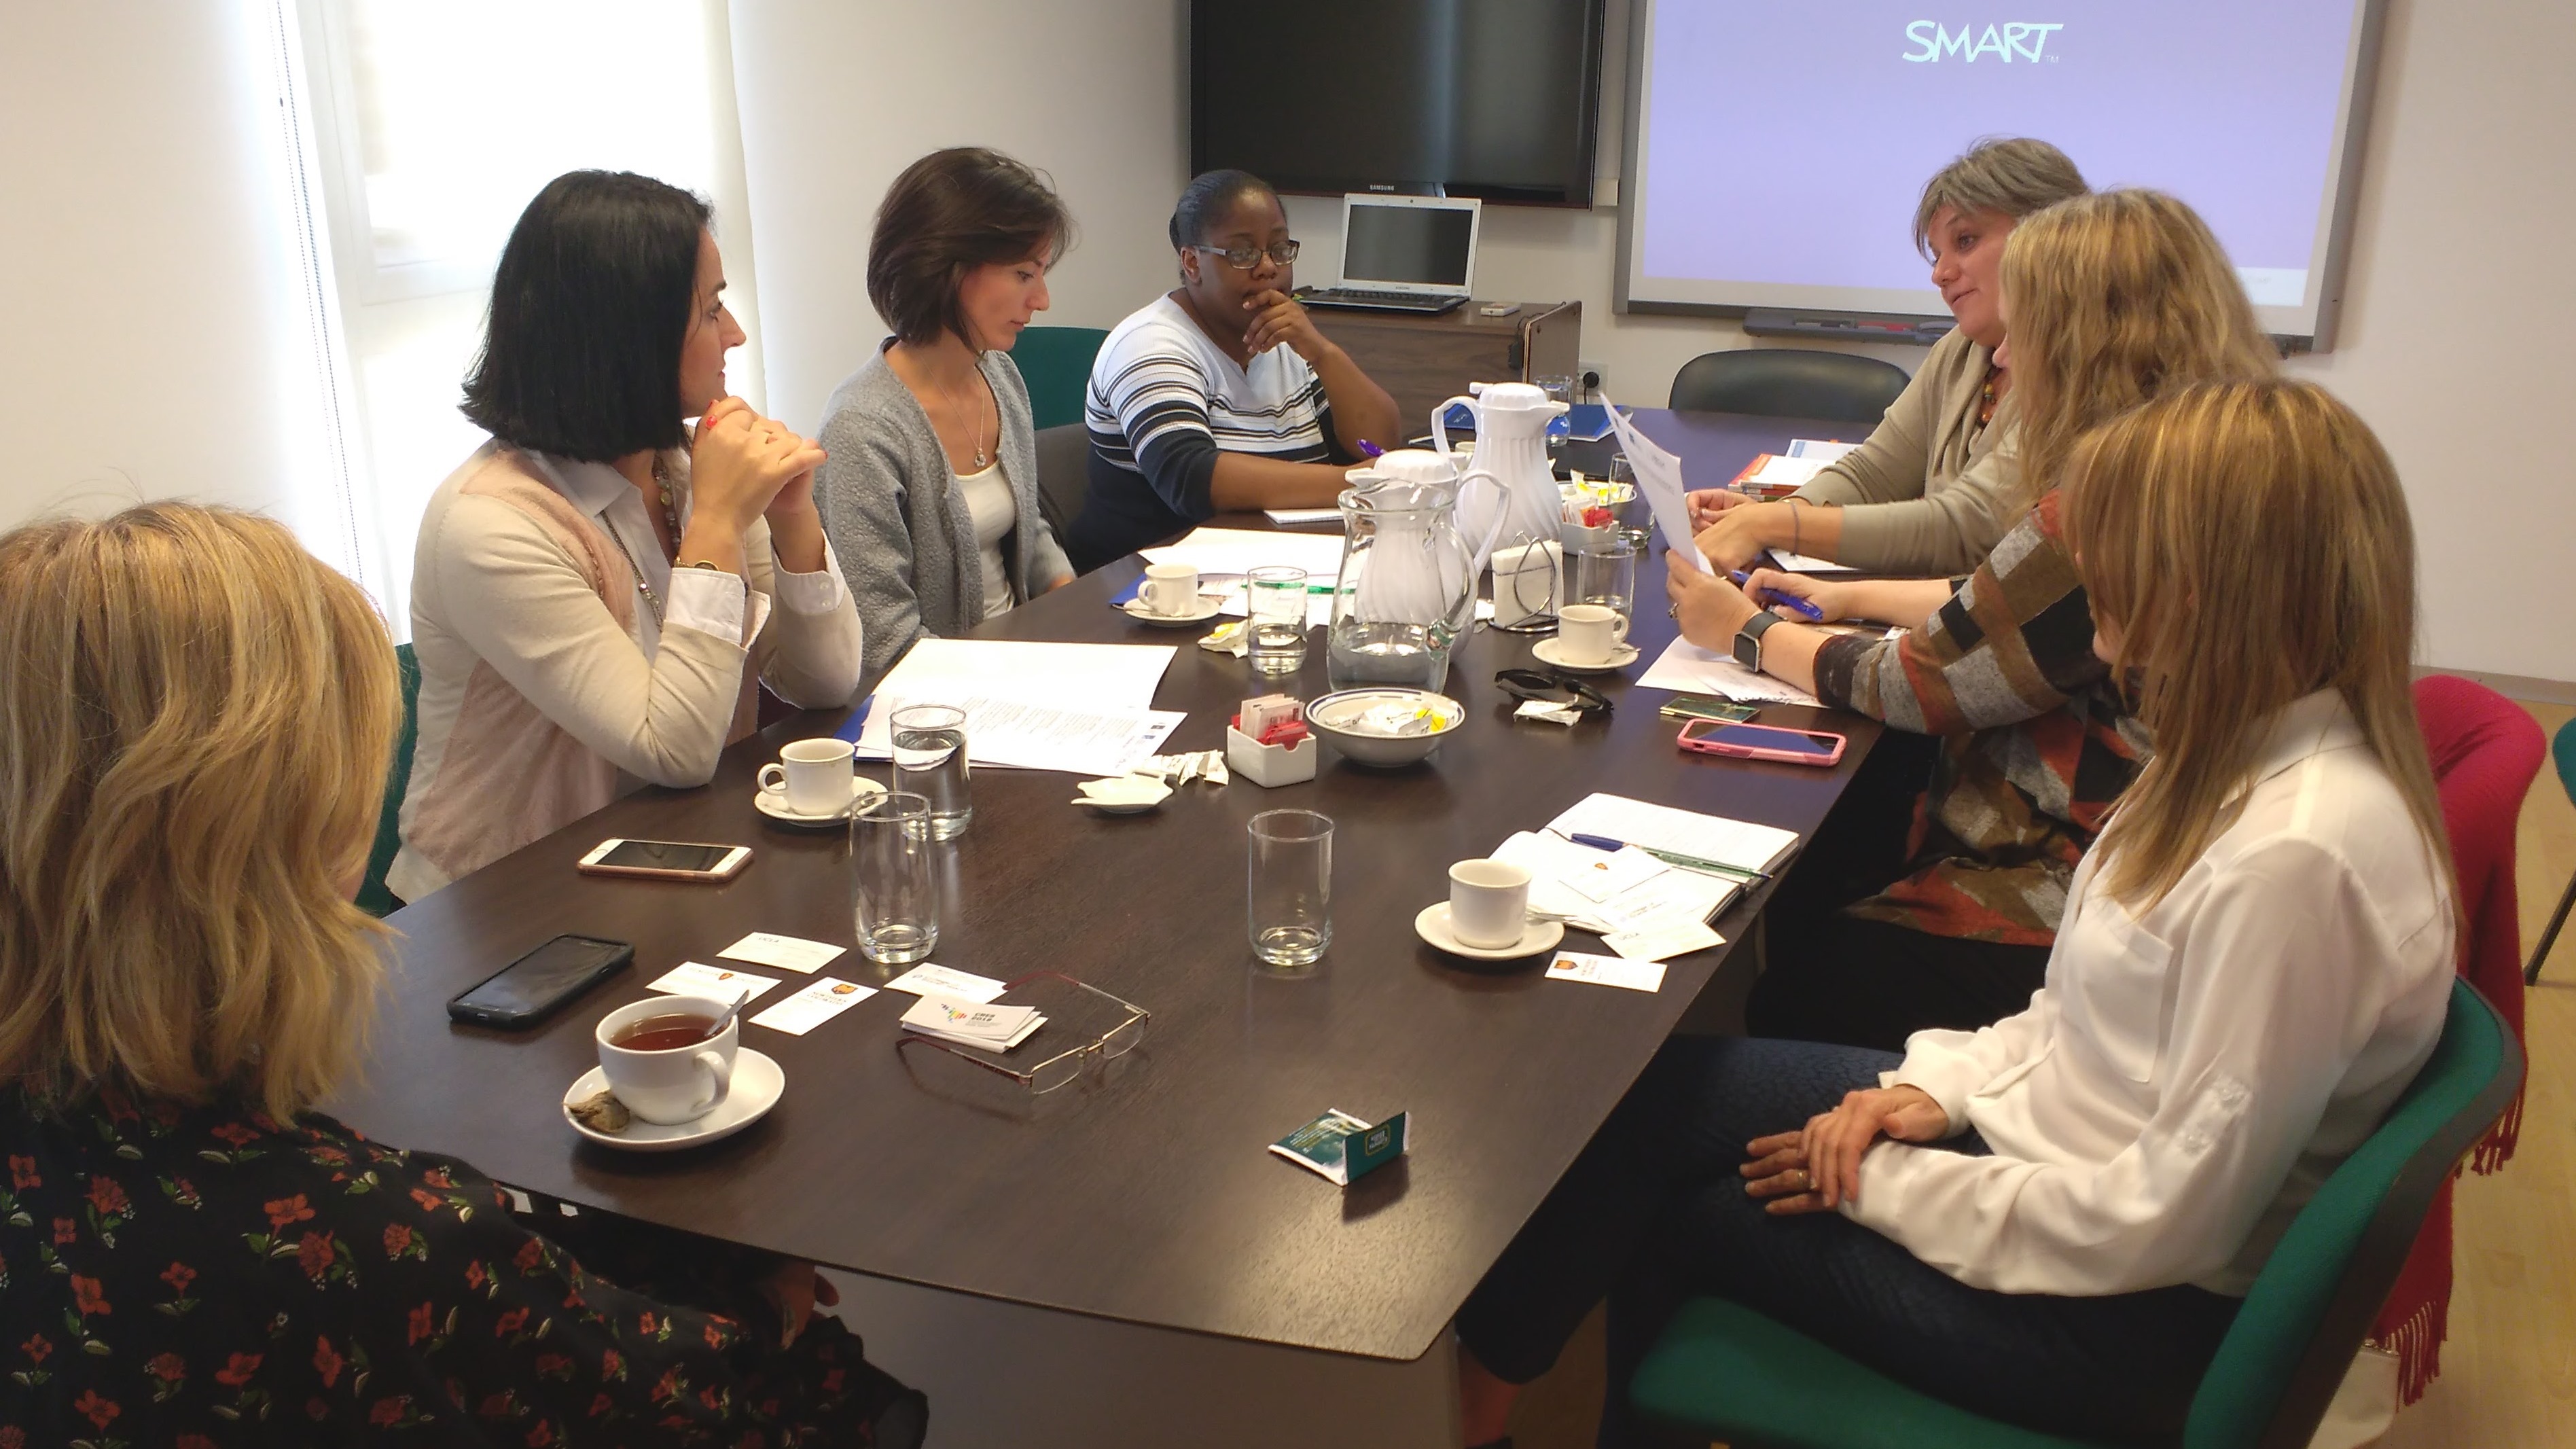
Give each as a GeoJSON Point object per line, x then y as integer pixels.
{"type": "Point", "coordinates": [929, 980]}
{"type": "Point", "coordinates": [690, 978]}
{"type": "Point", "coordinates": [1672, 934]}
{"type": "Point", "coordinates": [818, 1003]}
{"type": "Point", "coordinates": [1607, 971]}
{"type": "Point", "coordinates": [788, 953]}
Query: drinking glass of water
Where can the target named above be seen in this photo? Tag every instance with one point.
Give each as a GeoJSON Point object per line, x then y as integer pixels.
{"type": "Point", "coordinates": [1291, 886]}
{"type": "Point", "coordinates": [895, 895]}
{"type": "Point", "coordinates": [930, 761]}
{"type": "Point", "coordinates": [1275, 610]}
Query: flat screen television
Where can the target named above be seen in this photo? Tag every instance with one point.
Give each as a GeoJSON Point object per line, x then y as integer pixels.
{"type": "Point", "coordinates": [1486, 98]}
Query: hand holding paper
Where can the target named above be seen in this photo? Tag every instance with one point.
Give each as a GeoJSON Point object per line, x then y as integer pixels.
{"type": "Point", "coordinates": [1659, 477]}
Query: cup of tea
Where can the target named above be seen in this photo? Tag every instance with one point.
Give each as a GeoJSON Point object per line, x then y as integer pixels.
{"type": "Point", "coordinates": [1171, 588]}
{"type": "Point", "coordinates": [812, 776]}
{"type": "Point", "coordinates": [1589, 633]}
{"type": "Point", "coordinates": [1488, 903]}
{"type": "Point", "coordinates": [662, 1063]}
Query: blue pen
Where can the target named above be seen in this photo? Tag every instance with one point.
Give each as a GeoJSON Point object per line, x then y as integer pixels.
{"type": "Point", "coordinates": [1669, 857]}
{"type": "Point", "coordinates": [1790, 602]}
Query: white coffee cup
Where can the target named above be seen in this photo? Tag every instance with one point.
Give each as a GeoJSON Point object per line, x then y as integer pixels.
{"type": "Point", "coordinates": [676, 1084]}
{"type": "Point", "coordinates": [1589, 633]}
{"type": "Point", "coordinates": [1488, 903]}
{"type": "Point", "coordinates": [812, 776]}
{"type": "Point", "coordinates": [1171, 588]}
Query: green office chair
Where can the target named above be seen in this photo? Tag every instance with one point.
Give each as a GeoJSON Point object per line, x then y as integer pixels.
{"type": "Point", "coordinates": [373, 898]}
{"type": "Point", "coordinates": [2562, 748]}
{"type": "Point", "coordinates": [1056, 364]}
{"type": "Point", "coordinates": [1722, 1370]}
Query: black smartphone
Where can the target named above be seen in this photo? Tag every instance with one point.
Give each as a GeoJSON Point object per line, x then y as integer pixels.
{"type": "Point", "coordinates": [535, 986]}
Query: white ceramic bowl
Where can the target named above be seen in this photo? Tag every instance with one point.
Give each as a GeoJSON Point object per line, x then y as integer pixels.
{"type": "Point", "coordinates": [1351, 721]}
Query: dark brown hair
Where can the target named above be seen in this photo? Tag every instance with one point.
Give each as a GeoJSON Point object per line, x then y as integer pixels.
{"type": "Point", "coordinates": [948, 213]}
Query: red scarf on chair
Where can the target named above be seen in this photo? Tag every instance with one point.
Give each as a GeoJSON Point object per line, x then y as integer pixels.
{"type": "Point", "coordinates": [2486, 749]}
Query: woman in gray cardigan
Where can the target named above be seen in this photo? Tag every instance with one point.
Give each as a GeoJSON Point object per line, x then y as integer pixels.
{"type": "Point", "coordinates": [931, 494]}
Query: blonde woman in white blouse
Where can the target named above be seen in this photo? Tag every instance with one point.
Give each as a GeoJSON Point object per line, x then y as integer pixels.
{"type": "Point", "coordinates": [2051, 1220]}
{"type": "Point", "coordinates": [596, 597]}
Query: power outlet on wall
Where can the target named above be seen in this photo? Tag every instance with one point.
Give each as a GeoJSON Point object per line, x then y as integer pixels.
{"type": "Point", "coordinates": [1587, 378]}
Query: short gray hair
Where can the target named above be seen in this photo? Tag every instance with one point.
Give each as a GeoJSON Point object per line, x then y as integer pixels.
{"type": "Point", "coordinates": [2014, 175]}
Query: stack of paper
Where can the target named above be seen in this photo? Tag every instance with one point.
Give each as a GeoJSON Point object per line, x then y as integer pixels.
{"type": "Point", "coordinates": [974, 1024]}
{"type": "Point", "coordinates": [1777, 474]}
{"type": "Point", "coordinates": [1608, 892]}
{"type": "Point", "coordinates": [1736, 844]}
{"type": "Point", "coordinates": [1800, 563]}
{"type": "Point", "coordinates": [1233, 552]}
{"type": "Point", "coordinates": [1301, 517]}
{"type": "Point", "coordinates": [1082, 708]}
{"type": "Point", "coordinates": [1659, 478]}
{"type": "Point", "coordinates": [1821, 449]}
{"type": "Point", "coordinates": [1686, 668]}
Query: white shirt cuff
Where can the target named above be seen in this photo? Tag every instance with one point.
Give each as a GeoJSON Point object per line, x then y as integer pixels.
{"type": "Point", "coordinates": [713, 601]}
{"type": "Point", "coordinates": [815, 593]}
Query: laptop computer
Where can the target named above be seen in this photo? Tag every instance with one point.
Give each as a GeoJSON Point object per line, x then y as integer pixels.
{"type": "Point", "coordinates": [1404, 254]}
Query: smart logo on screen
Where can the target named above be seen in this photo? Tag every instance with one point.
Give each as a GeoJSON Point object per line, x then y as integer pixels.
{"type": "Point", "coordinates": [2013, 40]}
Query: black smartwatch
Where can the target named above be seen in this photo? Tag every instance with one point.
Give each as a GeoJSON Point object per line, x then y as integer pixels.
{"type": "Point", "coordinates": [1748, 640]}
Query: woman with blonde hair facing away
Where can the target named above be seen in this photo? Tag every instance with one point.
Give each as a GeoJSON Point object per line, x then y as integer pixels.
{"type": "Point", "coordinates": [195, 717]}
{"type": "Point", "coordinates": [596, 595]}
{"type": "Point", "coordinates": [2115, 299]}
{"type": "Point", "coordinates": [2067, 1206]}
{"type": "Point", "coordinates": [1936, 483]}
{"type": "Point", "coordinates": [931, 494]}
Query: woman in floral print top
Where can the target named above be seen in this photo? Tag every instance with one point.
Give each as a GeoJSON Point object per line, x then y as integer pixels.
{"type": "Point", "coordinates": [188, 1259]}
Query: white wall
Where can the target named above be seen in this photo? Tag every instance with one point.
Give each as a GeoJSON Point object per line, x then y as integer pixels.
{"type": "Point", "coordinates": [155, 344]}
{"type": "Point", "coordinates": [838, 96]}
{"type": "Point", "coordinates": [2454, 342]}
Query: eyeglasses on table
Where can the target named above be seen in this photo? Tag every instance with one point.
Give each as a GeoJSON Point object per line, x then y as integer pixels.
{"type": "Point", "coordinates": [1065, 1067]}
{"type": "Point", "coordinates": [1562, 690]}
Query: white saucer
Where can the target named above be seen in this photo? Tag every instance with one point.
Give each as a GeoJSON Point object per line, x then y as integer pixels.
{"type": "Point", "coordinates": [757, 1086]}
{"type": "Point", "coordinates": [1551, 652]}
{"type": "Point", "coordinates": [1135, 609]}
{"type": "Point", "coordinates": [775, 806]}
{"type": "Point", "coordinates": [1433, 926]}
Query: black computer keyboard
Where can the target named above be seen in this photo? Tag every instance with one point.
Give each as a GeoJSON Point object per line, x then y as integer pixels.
{"type": "Point", "coordinates": [1361, 299]}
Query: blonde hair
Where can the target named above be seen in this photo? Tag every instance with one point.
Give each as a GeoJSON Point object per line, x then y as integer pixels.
{"type": "Point", "coordinates": [196, 718]}
{"type": "Point", "coordinates": [2113, 299]}
{"type": "Point", "coordinates": [2248, 544]}
{"type": "Point", "coordinates": [2010, 175]}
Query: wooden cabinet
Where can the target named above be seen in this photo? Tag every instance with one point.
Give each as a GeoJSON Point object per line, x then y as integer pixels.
{"type": "Point", "coordinates": [1422, 361]}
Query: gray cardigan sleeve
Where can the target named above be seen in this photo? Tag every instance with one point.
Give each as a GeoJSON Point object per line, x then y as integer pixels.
{"type": "Point", "coordinates": [860, 493]}
{"type": "Point", "coordinates": [1898, 518]}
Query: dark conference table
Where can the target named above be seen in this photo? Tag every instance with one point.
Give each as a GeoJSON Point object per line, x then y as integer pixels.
{"type": "Point", "coordinates": [1144, 1193]}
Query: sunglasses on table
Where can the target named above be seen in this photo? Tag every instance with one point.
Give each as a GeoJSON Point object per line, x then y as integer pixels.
{"type": "Point", "coordinates": [1556, 689]}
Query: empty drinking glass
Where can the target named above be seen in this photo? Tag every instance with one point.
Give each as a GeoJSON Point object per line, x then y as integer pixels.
{"type": "Point", "coordinates": [1275, 610]}
{"type": "Point", "coordinates": [895, 892]}
{"type": "Point", "coordinates": [1291, 886]}
{"type": "Point", "coordinates": [1604, 572]}
{"type": "Point", "coordinates": [930, 761]}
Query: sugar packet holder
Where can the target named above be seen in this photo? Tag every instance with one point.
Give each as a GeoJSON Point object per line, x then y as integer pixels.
{"type": "Point", "coordinates": [1342, 1148]}
{"type": "Point", "coordinates": [1272, 718]}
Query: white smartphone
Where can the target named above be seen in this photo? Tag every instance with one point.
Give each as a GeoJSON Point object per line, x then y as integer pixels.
{"type": "Point", "coordinates": [666, 860]}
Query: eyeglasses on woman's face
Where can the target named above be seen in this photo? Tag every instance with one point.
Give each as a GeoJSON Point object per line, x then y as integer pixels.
{"type": "Point", "coordinates": [1244, 259]}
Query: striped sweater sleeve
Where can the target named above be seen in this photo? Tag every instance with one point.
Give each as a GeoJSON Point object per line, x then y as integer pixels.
{"type": "Point", "coordinates": [2014, 642]}
{"type": "Point", "coordinates": [1160, 400]}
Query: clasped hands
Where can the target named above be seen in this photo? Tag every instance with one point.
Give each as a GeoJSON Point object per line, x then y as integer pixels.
{"type": "Point", "coordinates": [1817, 1167]}
{"type": "Point", "coordinates": [742, 465]}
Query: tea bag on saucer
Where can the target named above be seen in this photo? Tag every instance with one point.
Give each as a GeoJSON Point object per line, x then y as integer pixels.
{"type": "Point", "coordinates": [601, 1112]}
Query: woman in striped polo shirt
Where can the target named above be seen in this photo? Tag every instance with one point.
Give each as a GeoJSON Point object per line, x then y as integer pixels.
{"type": "Point", "coordinates": [1221, 394]}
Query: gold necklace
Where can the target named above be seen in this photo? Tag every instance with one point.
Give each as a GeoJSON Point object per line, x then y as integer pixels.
{"type": "Point", "coordinates": [974, 422]}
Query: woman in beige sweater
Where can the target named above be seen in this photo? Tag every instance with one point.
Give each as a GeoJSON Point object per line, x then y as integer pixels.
{"type": "Point", "coordinates": [595, 596]}
{"type": "Point", "coordinates": [1938, 482]}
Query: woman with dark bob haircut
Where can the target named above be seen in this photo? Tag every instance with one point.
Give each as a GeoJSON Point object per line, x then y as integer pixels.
{"type": "Point", "coordinates": [931, 494]}
{"type": "Point", "coordinates": [1221, 394]}
{"type": "Point", "coordinates": [597, 589]}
